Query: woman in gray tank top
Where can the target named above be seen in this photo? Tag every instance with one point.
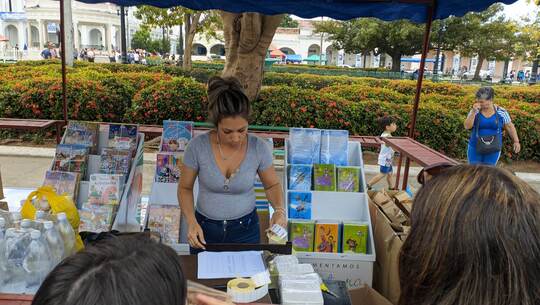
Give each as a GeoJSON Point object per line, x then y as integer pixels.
{"type": "Point", "coordinates": [226, 161]}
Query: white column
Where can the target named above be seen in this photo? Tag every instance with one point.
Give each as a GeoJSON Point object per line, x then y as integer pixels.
{"type": "Point", "coordinates": [108, 36]}
{"type": "Point", "coordinates": [84, 35]}
{"type": "Point", "coordinates": [76, 41]}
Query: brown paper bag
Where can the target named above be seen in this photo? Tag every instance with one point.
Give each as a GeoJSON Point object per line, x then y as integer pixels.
{"type": "Point", "coordinates": [367, 296]}
{"type": "Point", "coordinates": [264, 223]}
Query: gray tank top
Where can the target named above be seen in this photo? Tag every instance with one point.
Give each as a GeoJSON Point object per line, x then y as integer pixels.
{"type": "Point", "coordinates": [218, 199]}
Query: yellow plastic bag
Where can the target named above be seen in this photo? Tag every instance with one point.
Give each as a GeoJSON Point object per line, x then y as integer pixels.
{"type": "Point", "coordinates": [58, 204]}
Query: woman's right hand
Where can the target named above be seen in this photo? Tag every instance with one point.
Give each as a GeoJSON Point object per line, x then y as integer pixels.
{"type": "Point", "coordinates": [476, 107]}
{"type": "Point", "coordinates": [196, 236]}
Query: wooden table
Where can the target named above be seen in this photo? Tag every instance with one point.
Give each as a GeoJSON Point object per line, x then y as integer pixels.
{"type": "Point", "coordinates": [29, 124]}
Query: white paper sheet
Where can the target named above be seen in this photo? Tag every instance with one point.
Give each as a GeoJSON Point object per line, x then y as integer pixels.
{"type": "Point", "coordinates": [219, 265]}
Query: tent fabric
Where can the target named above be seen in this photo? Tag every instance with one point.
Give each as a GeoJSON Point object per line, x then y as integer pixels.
{"type": "Point", "coordinates": [315, 57]}
{"type": "Point", "coordinates": [416, 60]}
{"type": "Point", "coordinates": [336, 9]}
{"type": "Point", "coordinates": [277, 53]}
{"type": "Point", "coordinates": [293, 58]}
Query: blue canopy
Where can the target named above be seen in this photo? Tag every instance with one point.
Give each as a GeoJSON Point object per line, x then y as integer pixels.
{"type": "Point", "coordinates": [414, 10]}
{"type": "Point", "coordinates": [404, 59]}
{"type": "Point", "coordinates": [293, 58]}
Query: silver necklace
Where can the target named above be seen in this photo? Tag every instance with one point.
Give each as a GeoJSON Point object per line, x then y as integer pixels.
{"type": "Point", "coordinates": [221, 152]}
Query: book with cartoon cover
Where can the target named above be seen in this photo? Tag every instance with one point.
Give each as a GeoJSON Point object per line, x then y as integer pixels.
{"type": "Point", "coordinates": [302, 233]}
{"type": "Point", "coordinates": [123, 136]}
{"type": "Point", "coordinates": [115, 161]}
{"type": "Point", "coordinates": [71, 158]}
{"type": "Point", "coordinates": [168, 168]}
{"type": "Point", "coordinates": [96, 218]}
{"type": "Point", "coordinates": [165, 219]}
{"type": "Point", "coordinates": [105, 189]}
{"type": "Point", "coordinates": [335, 147]}
{"type": "Point", "coordinates": [300, 177]}
{"type": "Point", "coordinates": [300, 205]}
{"type": "Point", "coordinates": [83, 133]}
{"type": "Point", "coordinates": [176, 135]}
{"type": "Point", "coordinates": [63, 183]}
{"type": "Point", "coordinates": [348, 179]}
{"type": "Point", "coordinates": [327, 237]}
{"type": "Point", "coordinates": [355, 237]}
{"type": "Point", "coordinates": [324, 177]}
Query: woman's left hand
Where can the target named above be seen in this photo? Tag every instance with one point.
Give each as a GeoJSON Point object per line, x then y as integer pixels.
{"type": "Point", "coordinates": [278, 218]}
{"type": "Point", "coordinates": [517, 147]}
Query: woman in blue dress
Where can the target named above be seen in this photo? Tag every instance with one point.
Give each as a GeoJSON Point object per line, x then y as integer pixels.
{"type": "Point", "coordinates": [486, 119]}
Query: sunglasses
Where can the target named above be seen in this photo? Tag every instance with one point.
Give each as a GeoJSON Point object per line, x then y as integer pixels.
{"type": "Point", "coordinates": [431, 171]}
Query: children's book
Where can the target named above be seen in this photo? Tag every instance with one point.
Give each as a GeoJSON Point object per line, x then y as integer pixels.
{"type": "Point", "coordinates": [300, 205]}
{"type": "Point", "coordinates": [165, 219]}
{"type": "Point", "coordinates": [300, 177]}
{"type": "Point", "coordinates": [327, 237]}
{"type": "Point", "coordinates": [96, 217]}
{"type": "Point", "coordinates": [324, 177]}
{"type": "Point", "coordinates": [168, 168]}
{"type": "Point", "coordinates": [64, 183]}
{"type": "Point", "coordinates": [123, 136]}
{"type": "Point", "coordinates": [302, 234]}
{"type": "Point", "coordinates": [115, 161]}
{"type": "Point", "coordinates": [176, 135]}
{"type": "Point", "coordinates": [71, 158]}
{"type": "Point", "coordinates": [83, 133]}
{"type": "Point", "coordinates": [105, 189]}
{"type": "Point", "coordinates": [355, 237]}
{"type": "Point", "coordinates": [304, 145]}
{"type": "Point", "coordinates": [335, 147]}
{"type": "Point", "coordinates": [348, 179]}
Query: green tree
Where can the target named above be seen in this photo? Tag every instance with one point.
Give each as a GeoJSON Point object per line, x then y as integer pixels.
{"type": "Point", "coordinates": [141, 39]}
{"type": "Point", "coordinates": [288, 22]}
{"type": "Point", "coordinates": [397, 38]}
{"type": "Point", "coordinates": [529, 44]}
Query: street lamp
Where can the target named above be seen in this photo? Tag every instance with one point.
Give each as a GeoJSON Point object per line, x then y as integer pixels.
{"type": "Point", "coordinates": [122, 13]}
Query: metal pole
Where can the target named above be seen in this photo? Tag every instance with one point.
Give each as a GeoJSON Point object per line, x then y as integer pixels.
{"type": "Point", "coordinates": [63, 57]}
{"type": "Point", "coordinates": [123, 34]}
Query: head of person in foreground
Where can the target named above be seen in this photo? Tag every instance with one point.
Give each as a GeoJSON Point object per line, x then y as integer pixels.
{"type": "Point", "coordinates": [474, 240]}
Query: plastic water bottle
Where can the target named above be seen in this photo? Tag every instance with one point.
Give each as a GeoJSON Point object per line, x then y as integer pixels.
{"type": "Point", "coordinates": [3, 270]}
{"type": "Point", "coordinates": [16, 219]}
{"type": "Point", "coordinates": [66, 231]}
{"type": "Point", "coordinates": [26, 226]}
{"type": "Point", "coordinates": [2, 228]}
{"type": "Point", "coordinates": [36, 263]}
{"type": "Point", "coordinates": [16, 245]}
{"type": "Point", "coordinates": [55, 241]}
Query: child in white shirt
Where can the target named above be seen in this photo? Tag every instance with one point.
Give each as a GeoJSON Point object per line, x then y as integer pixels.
{"type": "Point", "coordinates": [386, 155]}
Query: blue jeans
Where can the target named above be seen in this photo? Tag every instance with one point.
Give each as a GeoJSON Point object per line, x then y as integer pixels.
{"type": "Point", "coordinates": [244, 230]}
{"type": "Point", "coordinates": [487, 159]}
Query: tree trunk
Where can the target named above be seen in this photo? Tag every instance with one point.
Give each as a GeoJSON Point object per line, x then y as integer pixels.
{"type": "Point", "coordinates": [396, 63]}
{"type": "Point", "coordinates": [534, 72]}
{"type": "Point", "coordinates": [505, 69]}
{"type": "Point", "coordinates": [191, 23]}
{"type": "Point", "coordinates": [478, 68]}
{"type": "Point", "coordinates": [247, 38]}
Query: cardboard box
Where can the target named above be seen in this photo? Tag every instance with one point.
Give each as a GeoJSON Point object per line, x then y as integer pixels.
{"type": "Point", "coordinates": [366, 295]}
{"type": "Point", "coordinates": [4, 206]}
{"type": "Point", "coordinates": [380, 198]}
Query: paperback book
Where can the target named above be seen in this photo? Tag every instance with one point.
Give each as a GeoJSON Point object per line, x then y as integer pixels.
{"type": "Point", "coordinates": [355, 237]}
{"type": "Point", "coordinates": [327, 237]}
{"type": "Point", "coordinates": [115, 161]}
{"type": "Point", "coordinates": [302, 234]}
{"type": "Point", "coordinates": [64, 183]}
{"type": "Point", "coordinates": [304, 145]}
{"type": "Point", "coordinates": [348, 179]}
{"type": "Point", "coordinates": [83, 133]}
{"type": "Point", "coordinates": [165, 219]}
{"type": "Point", "coordinates": [105, 189]}
{"type": "Point", "coordinates": [96, 217]}
{"type": "Point", "coordinates": [123, 136]}
{"type": "Point", "coordinates": [300, 177]}
{"type": "Point", "coordinates": [300, 205]}
{"type": "Point", "coordinates": [71, 158]}
{"type": "Point", "coordinates": [335, 147]}
{"type": "Point", "coordinates": [176, 135]}
{"type": "Point", "coordinates": [324, 177]}
{"type": "Point", "coordinates": [168, 168]}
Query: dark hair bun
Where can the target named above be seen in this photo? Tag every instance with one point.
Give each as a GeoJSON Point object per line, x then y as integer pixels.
{"type": "Point", "coordinates": [226, 98]}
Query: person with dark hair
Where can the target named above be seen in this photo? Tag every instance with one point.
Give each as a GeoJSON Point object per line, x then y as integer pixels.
{"type": "Point", "coordinates": [473, 240]}
{"type": "Point", "coordinates": [487, 122]}
{"type": "Point", "coordinates": [127, 270]}
{"type": "Point", "coordinates": [386, 155]}
{"type": "Point", "coordinates": [226, 161]}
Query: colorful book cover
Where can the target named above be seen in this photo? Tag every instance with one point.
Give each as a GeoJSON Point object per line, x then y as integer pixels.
{"type": "Point", "coordinates": [335, 147]}
{"type": "Point", "coordinates": [327, 236]}
{"type": "Point", "coordinates": [165, 219]}
{"type": "Point", "coordinates": [348, 179]}
{"type": "Point", "coordinates": [324, 177]}
{"type": "Point", "coordinates": [115, 161]}
{"type": "Point", "coordinates": [168, 168]}
{"type": "Point", "coordinates": [176, 135]}
{"type": "Point", "coordinates": [300, 205]}
{"type": "Point", "coordinates": [96, 217]}
{"type": "Point", "coordinates": [302, 233]}
{"type": "Point", "coordinates": [123, 136]}
{"type": "Point", "coordinates": [355, 237]}
{"type": "Point", "coordinates": [105, 189]}
{"type": "Point", "coordinates": [83, 133]}
{"type": "Point", "coordinates": [71, 158]}
{"type": "Point", "coordinates": [300, 177]}
{"type": "Point", "coordinates": [304, 145]}
{"type": "Point", "coordinates": [64, 183]}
